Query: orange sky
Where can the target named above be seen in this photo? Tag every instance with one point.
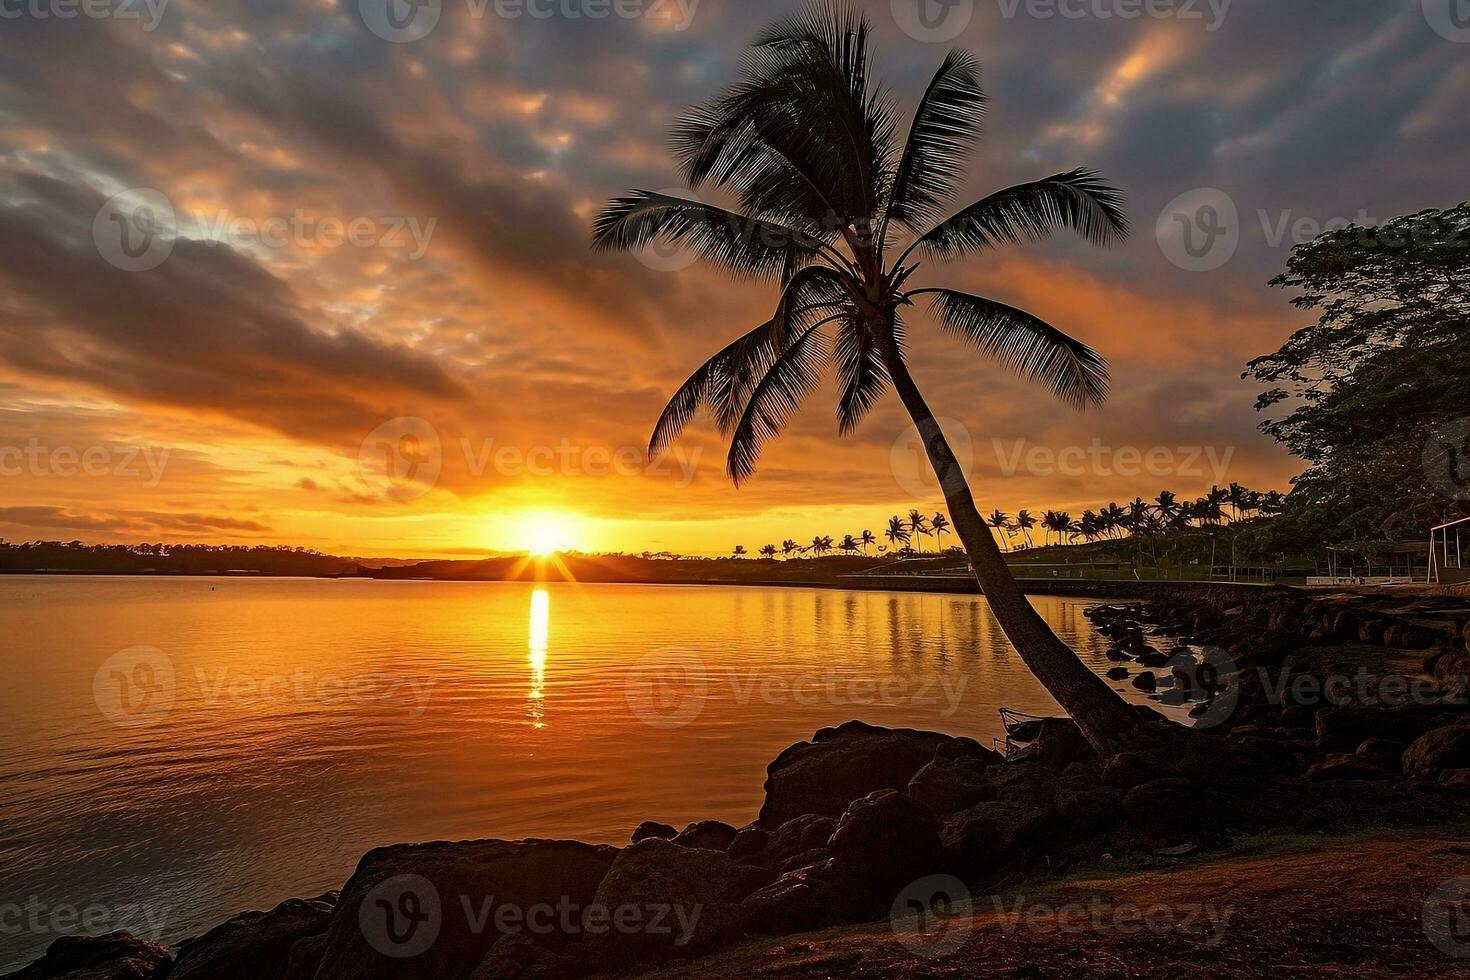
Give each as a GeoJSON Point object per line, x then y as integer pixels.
{"type": "Point", "coordinates": [364, 233]}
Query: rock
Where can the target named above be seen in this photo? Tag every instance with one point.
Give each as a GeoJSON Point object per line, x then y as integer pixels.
{"type": "Point", "coordinates": [1178, 850]}
{"type": "Point", "coordinates": [947, 785]}
{"type": "Point", "coordinates": [305, 957]}
{"type": "Point", "coordinates": [1058, 745]}
{"type": "Point", "coordinates": [1129, 769]}
{"type": "Point", "coordinates": [817, 855]}
{"type": "Point", "coordinates": [1146, 681]}
{"type": "Point", "coordinates": [115, 956]}
{"type": "Point", "coordinates": [1088, 808]}
{"type": "Point", "coordinates": [1409, 636]}
{"type": "Point", "coordinates": [649, 828]}
{"type": "Point", "coordinates": [750, 841]}
{"type": "Point", "coordinates": [887, 839]}
{"type": "Point", "coordinates": [1161, 802]}
{"type": "Point", "coordinates": [1455, 778]}
{"type": "Point", "coordinates": [840, 765]}
{"type": "Point", "coordinates": [1343, 766]}
{"type": "Point", "coordinates": [1347, 726]}
{"type": "Point", "coordinates": [402, 913]}
{"type": "Point", "coordinates": [1153, 658]}
{"type": "Point", "coordinates": [253, 944]}
{"type": "Point", "coordinates": [518, 957]}
{"type": "Point", "coordinates": [799, 836]}
{"type": "Point", "coordinates": [1381, 752]}
{"type": "Point", "coordinates": [810, 898]}
{"type": "Point", "coordinates": [1442, 748]}
{"type": "Point", "coordinates": [1117, 673]}
{"type": "Point", "coordinates": [694, 894]}
{"type": "Point", "coordinates": [1452, 669]}
{"type": "Point", "coordinates": [709, 834]}
{"type": "Point", "coordinates": [988, 834]}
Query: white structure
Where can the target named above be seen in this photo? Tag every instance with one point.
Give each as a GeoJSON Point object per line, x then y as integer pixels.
{"type": "Point", "coordinates": [1447, 552]}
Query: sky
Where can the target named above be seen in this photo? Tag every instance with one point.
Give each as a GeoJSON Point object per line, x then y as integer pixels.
{"type": "Point", "coordinates": [316, 272]}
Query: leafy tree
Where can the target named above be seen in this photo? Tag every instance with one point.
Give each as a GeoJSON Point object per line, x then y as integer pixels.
{"type": "Point", "coordinates": [1369, 393]}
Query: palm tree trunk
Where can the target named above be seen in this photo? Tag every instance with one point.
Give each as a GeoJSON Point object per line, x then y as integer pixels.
{"type": "Point", "coordinates": [1107, 722]}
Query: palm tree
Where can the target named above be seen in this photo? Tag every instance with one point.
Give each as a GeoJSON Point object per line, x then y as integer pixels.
{"type": "Point", "coordinates": [998, 520]}
{"type": "Point", "coordinates": [940, 523]}
{"type": "Point", "coordinates": [1025, 521]}
{"type": "Point", "coordinates": [1238, 497]}
{"type": "Point", "coordinates": [820, 546]}
{"type": "Point", "coordinates": [1113, 518]}
{"type": "Point", "coordinates": [919, 526]}
{"type": "Point", "coordinates": [789, 547]}
{"type": "Point", "coordinates": [768, 551]}
{"type": "Point", "coordinates": [739, 551]}
{"type": "Point", "coordinates": [897, 532]}
{"type": "Point", "coordinates": [867, 539]}
{"type": "Point", "coordinates": [1167, 505]}
{"type": "Point", "coordinates": [805, 143]}
{"type": "Point", "coordinates": [848, 544]}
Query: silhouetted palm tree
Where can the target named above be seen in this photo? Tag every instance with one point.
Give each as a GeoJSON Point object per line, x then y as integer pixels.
{"type": "Point", "coordinates": [789, 547]}
{"type": "Point", "coordinates": [999, 521]}
{"type": "Point", "coordinates": [739, 551]}
{"type": "Point", "coordinates": [768, 551]}
{"type": "Point", "coordinates": [805, 142]}
{"type": "Point", "coordinates": [919, 527]}
{"type": "Point", "coordinates": [1026, 521]}
{"type": "Point", "coordinates": [867, 539]}
{"type": "Point", "coordinates": [897, 532]}
{"type": "Point", "coordinates": [848, 544]}
{"type": "Point", "coordinates": [940, 523]}
{"type": "Point", "coordinates": [820, 545]}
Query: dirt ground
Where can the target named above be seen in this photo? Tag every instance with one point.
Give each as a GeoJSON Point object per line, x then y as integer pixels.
{"type": "Point", "coordinates": [1277, 907]}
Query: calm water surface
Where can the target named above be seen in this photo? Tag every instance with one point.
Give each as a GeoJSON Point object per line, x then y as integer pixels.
{"type": "Point", "coordinates": [205, 746]}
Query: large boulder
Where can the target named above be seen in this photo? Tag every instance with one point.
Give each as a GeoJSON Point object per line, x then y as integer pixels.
{"type": "Point", "coordinates": [434, 910]}
{"type": "Point", "coordinates": [797, 837]}
{"type": "Point", "coordinates": [809, 898]}
{"type": "Point", "coordinates": [665, 901]}
{"type": "Point", "coordinates": [115, 956]}
{"type": "Point", "coordinates": [1058, 744]}
{"type": "Point", "coordinates": [518, 957]}
{"type": "Point", "coordinates": [650, 828]}
{"type": "Point", "coordinates": [955, 781]}
{"type": "Point", "coordinates": [253, 944]}
{"type": "Point", "coordinates": [840, 765]}
{"type": "Point", "coordinates": [988, 834]}
{"type": "Point", "coordinates": [304, 958]}
{"type": "Point", "coordinates": [1442, 748]}
{"type": "Point", "coordinates": [709, 834]}
{"type": "Point", "coordinates": [887, 839]}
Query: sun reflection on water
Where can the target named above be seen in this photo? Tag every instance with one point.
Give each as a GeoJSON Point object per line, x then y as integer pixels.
{"type": "Point", "coordinates": [539, 639]}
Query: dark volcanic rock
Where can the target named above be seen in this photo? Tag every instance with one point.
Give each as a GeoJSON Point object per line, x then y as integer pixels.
{"type": "Point", "coordinates": [116, 956]}
{"type": "Point", "coordinates": [1443, 748]}
{"type": "Point", "coordinates": [840, 765]}
{"type": "Point", "coordinates": [253, 944]}
{"type": "Point", "coordinates": [518, 957]}
{"type": "Point", "coordinates": [1059, 744]}
{"type": "Point", "coordinates": [1117, 673]}
{"type": "Point", "coordinates": [809, 898]}
{"type": "Point", "coordinates": [304, 958]}
{"type": "Point", "coordinates": [687, 898]}
{"type": "Point", "coordinates": [886, 838]}
{"type": "Point", "coordinates": [649, 828]}
{"type": "Point", "coordinates": [794, 837]}
{"type": "Point", "coordinates": [1146, 681]}
{"type": "Point", "coordinates": [1343, 766]}
{"type": "Point", "coordinates": [1382, 752]}
{"type": "Point", "coordinates": [954, 783]}
{"type": "Point", "coordinates": [403, 913]}
{"type": "Point", "coordinates": [987, 835]}
{"type": "Point", "coordinates": [711, 835]}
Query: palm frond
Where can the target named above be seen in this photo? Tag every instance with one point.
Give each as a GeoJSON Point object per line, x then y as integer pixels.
{"type": "Point", "coordinates": [945, 127]}
{"type": "Point", "coordinates": [1074, 372]}
{"type": "Point", "coordinates": [742, 244]}
{"type": "Point", "coordinates": [1079, 199]}
{"type": "Point", "coordinates": [862, 372]}
{"type": "Point", "coordinates": [773, 401]}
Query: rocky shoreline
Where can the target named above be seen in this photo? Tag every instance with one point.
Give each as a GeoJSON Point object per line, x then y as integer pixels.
{"type": "Point", "coordinates": [1315, 713]}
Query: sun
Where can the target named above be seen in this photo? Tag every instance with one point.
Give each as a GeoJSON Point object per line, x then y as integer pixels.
{"type": "Point", "coordinates": [546, 533]}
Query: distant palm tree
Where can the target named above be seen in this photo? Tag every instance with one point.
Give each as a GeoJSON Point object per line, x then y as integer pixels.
{"type": "Point", "coordinates": [940, 523]}
{"type": "Point", "coordinates": [897, 532]}
{"type": "Point", "coordinates": [867, 539]}
{"type": "Point", "coordinates": [739, 551]}
{"type": "Point", "coordinates": [919, 527]}
{"type": "Point", "coordinates": [1026, 521]}
{"type": "Point", "coordinates": [768, 551]}
{"type": "Point", "coordinates": [1112, 518]}
{"type": "Point", "coordinates": [1167, 505]}
{"type": "Point", "coordinates": [999, 521]}
{"type": "Point", "coordinates": [820, 545]}
{"type": "Point", "coordinates": [848, 544]}
{"type": "Point", "coordinates": [789, 547]}
{"type": "Point", "coordinates": [805, 144]}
